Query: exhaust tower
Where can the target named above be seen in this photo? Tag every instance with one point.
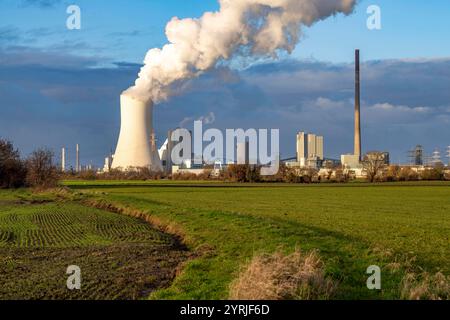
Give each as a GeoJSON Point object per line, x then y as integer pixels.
{"type": "Point", "coordinates": [357, 149]}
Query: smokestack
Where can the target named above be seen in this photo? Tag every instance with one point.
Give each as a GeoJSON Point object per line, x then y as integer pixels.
{"type": "Point", "coordinates": [77, 162]}
{"type": "Point", "coordinates": [357, 150]}
{"type": "Point", "coordinates": [63, 159]}
{"type": "Point", "coordinates": [136, 146]}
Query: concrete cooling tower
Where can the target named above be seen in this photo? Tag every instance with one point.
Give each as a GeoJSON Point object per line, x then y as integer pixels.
{"type": "Point", "coordinates": [136, 146]}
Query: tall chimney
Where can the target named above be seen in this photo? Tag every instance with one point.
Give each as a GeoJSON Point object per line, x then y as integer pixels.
{"type": "Point", "coordinates": [77, 164]}
{"type": "Point", "coordinates": [63, 159]}
{"type": "Point", "coordinates": [357, 150]}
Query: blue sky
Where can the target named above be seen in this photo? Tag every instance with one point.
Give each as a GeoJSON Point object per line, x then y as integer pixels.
{"type": "Point", "coordinates": [405, 90]}
{"type": "Point", "coordinates": [410, 28]}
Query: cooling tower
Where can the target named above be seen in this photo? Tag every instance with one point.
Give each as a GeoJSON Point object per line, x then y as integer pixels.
{"type": "Point", "coordinates": [134, 148]}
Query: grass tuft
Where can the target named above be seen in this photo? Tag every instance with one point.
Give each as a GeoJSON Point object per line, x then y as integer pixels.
{"type": "Point", "coordinates": [426, 287]}
{"type": "Point", "coordinates": [280, 277]}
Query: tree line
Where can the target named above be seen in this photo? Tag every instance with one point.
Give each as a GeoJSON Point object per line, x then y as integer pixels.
{"type": "Point", "coordinates": [36, 171]}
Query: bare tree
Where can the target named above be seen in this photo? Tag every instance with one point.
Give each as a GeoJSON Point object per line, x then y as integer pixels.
{"type": "Point", "coordinates": [374, 163]}
{"type": "Point", "coordinates": [41, 172]}
{"type": "Point", "coordinates": [12, 169]}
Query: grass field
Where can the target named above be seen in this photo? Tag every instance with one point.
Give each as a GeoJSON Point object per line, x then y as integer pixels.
{"type": "Point", "coordinates": [399, 227]}
{"type": "Point", "coordinates": [402, 227]}
{"type": "Point", "coordinates": [119, 256]}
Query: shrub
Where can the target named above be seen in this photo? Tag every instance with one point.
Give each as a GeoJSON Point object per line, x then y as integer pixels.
{"type": "Point", "coordinates": [447, 174]}
{"type": "Point", "coordinates": [41, 173]}
{"type": "Point", "coordinates": [186, 176]}
{"type": "Point", "coordinates": [131, 173]}
{"type": "Point", "coordinates": [432, 174]}
{"type": "Point", "coordinates": [309, 175]}
{"type": "Point", "coordinates": [291, 176]}
{"type": "Point", "coordinates": [341, 176]}
{"type": "Point", "coordinates": [407, 174]}
{"type": "Point", "coordinates": [392, 173]}
{"type": "Point", "coordinates": [236, 172]}
{"type": "Point", "coordinates": [426, 287]}
{"type": "Point", "coordinates": [280, 277]}
{"type": "Point", "coordinates": [12, 168]}
{"type": "Point", "coordinates": [88, 175]}
{"type": "Point", "coordinates": [242, 173]}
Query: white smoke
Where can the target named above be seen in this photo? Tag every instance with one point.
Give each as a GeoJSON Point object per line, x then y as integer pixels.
{"type": "Point", "coordinates": [256, 28]}
{"type": "Point", "coordinates": [210, 118]}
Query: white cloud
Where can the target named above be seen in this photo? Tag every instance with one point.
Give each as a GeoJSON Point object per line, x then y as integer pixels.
{"type": "Point", "coordinates": [405, 109]}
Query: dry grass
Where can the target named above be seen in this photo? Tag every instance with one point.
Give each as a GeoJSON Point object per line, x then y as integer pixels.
{"type": "Point", "coordinates": [426, 287]}
{"type": "Point", "coordinates": [280, 277]}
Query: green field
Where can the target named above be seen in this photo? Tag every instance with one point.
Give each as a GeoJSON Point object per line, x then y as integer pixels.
{"type": "Point", "coordinates": [400, 227]}
{"type": "Point", "coordinates": [119, 256]}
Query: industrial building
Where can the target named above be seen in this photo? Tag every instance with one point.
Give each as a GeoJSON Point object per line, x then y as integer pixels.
{"type": "Point", "coordinates": [309, 150]}
{"type": "Point", "coordinates": [243, 152]}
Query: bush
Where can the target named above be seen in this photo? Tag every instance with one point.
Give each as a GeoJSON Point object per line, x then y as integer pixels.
{"type": "Point", "coordinates": [132, 173]}
{"type": "Point", "coordinates": [242, 173]}
{"type": "Point", "coordinates": [12, 169]}
{"type": "Point", "coordinates": [291, 176]}
{"type": "Point", "coordinates": [425, 286]}
{"type": "Point", "coordinates": [236, 172]}
{"type": "Point", "coordinates": [186, 176]}
{"type": "Point", "coordinates": [340, 176]}
{"type": "Point", "coordinates": [432, 174]}
{"type": "Point", "coordinates": [447, 174]}
{"type": "Point", "coordinates": [88, 175]}
{"type": "Point", "coordinates": [280, 277]}
{"type": "Point", "coordinates": [41, 173]}
{"type": "Point", "coordinates": [407, 174]}
{"type": "Point", "coordinates": [392, 173]}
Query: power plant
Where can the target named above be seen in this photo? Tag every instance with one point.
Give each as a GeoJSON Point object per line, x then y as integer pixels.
{"type": "Point", "coordinates": [136, 144]}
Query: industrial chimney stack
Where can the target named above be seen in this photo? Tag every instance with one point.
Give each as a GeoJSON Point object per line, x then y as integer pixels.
{"type": "Point", "coordinates": [63, 159]}
{"type": "Point", "coordinates": [357, 150]}
{"type": "Point", "coordinates": [77, 160]}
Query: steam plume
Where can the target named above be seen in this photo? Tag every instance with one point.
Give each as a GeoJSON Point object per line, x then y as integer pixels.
{"type": "Point", "coordinates": [256, 28]}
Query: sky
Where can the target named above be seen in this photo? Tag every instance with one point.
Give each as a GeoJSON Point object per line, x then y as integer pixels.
{"type": "Point", "coordinates": [59, 87]}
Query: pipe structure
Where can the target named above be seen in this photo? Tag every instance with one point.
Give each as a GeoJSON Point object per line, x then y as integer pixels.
{"type": "Point", "coordinates": [134, 147]}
